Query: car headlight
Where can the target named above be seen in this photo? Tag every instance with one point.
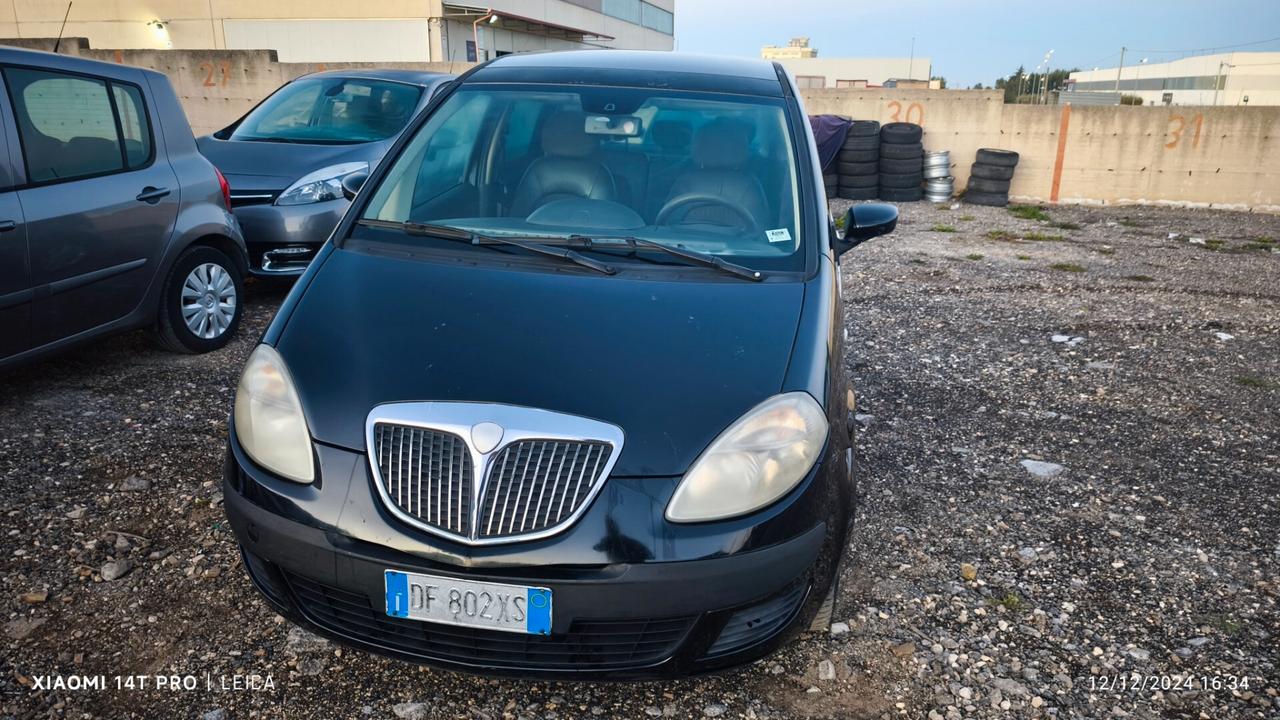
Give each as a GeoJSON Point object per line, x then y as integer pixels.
{"type": "Point", "coordinates": [268, 418]}
{"type": "Point", "coordinates": [758, 459]}
{"type": "Point", "coordinates": [322, 185]}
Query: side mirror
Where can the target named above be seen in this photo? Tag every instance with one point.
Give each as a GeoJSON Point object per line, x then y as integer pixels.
{"type": "Point", "coordinates": [863, 222]}
{"type": "Point", "coordinates": [352, 183]}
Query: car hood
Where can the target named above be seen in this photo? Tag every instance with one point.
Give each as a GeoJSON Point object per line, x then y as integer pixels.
{"type": "Point", "coordinates": [671, 362]}
{"type": "Point", "coordinates": [268, 166]}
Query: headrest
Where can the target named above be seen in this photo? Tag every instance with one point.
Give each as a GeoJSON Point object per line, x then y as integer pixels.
{"type": "Point", "coordinates": [722, 145]}
{"type": "Point", "coordinates": [563, 135]}
{"type": "Point", "coordinates": [672, 135]}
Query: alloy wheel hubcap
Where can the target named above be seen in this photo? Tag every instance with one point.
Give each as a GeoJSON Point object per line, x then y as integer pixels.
{"type": "Point", "coordinates": [208, 300]}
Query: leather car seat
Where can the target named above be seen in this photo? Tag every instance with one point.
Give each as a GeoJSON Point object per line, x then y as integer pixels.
{"type": "Point", "coordinates": [567, 169]}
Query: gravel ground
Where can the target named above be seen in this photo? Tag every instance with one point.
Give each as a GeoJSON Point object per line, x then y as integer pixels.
{"type": "Point", "coordinates": [1068, 457]}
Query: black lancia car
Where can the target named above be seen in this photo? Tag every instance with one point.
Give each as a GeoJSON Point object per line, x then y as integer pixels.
{"type": "Point", "coordinates": [563, 395]}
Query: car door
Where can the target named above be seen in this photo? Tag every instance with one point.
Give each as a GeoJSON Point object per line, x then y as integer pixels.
{"type": "Point", "coordinates": [100, 198]}
{"type": "Point", "coordinates": [15, 270]}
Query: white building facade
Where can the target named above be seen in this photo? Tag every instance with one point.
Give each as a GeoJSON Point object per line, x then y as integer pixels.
{"type": "Point", "coordinates": [1240, 78]}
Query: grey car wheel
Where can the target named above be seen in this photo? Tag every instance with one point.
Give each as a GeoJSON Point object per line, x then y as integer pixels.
{"type": "Point", "coordinates": [202, 301]}
{"type": "Point", "coordinates": [208, 300]}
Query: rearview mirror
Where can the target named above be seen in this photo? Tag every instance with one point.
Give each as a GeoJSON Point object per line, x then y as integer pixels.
{"type": "Point", "coordinates": [863, 222]}
{"type": "Point", "coordinates": [352, 183]}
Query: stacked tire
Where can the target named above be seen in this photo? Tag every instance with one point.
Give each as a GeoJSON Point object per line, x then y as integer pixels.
{"type": "Point", "coordinates": [990, 176]}
{"type": "Point", "coordinates": [901, 162]}
{"type": "Point", "coordinates": [858, 164]}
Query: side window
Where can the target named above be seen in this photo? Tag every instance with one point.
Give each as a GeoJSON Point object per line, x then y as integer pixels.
{"type": "Point", "coordinates": [69, 129]}
{"type": "Point", "coordinates": [133, 124]}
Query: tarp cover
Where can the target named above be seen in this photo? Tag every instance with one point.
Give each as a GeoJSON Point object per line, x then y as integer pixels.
{"type": "Point", "coordinates": [829, 132]}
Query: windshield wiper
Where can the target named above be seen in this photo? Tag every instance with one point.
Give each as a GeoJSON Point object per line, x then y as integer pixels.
{"type": "Point", "coordinates": [446, 232]}
{"type": "Point", "coordinates": [696, 258]}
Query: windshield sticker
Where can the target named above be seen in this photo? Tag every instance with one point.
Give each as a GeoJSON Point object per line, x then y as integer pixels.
{"type": "Point", "coordinates": [779, 235]}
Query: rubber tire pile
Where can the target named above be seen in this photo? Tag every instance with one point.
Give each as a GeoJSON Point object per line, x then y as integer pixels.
{"type": "Point", "coordinates": [901, 162]}
{"type": "Point", "coordinates": [857, 167]}
{"type": "Point", "coordinates": [990, 176]}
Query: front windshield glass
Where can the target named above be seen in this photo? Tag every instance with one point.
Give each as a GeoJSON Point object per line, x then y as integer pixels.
{"type": "Point", "coordinates": [329, 110]}
{"type": "Point", "coordinates": [708, 172]}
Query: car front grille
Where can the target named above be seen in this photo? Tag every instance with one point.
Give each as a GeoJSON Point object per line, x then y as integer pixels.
{"type": "Point", "coordinates": [588, 644]}
{"type": "Point", "coordinates": [534, 484]}
{"type": "Point", "coordinates": [531, 485]}
{"type": "Point", "coordinates": [427, 474]}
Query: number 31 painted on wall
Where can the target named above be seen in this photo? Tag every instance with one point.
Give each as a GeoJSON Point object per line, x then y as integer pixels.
{"type": "Point", "coordinates": [1178, 124]}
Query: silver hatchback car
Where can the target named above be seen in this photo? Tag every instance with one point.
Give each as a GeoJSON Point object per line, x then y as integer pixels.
{"type": "Point", "coordinates": [110, 219]}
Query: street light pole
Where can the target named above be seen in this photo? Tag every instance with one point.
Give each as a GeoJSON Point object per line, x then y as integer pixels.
{"type": "Point", "coordinates": [1120, 69]}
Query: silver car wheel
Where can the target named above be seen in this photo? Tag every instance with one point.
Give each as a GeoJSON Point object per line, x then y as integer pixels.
{"type": "Point", "coordinates": [208, 300]}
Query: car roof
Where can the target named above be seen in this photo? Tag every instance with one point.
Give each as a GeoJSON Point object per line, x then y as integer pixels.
{"type": "Point", "coordinates": [416, 77]}
{"type": "Point", "coordinates": [638, 68]}
{"type": "Point", "coordinates": [67, 63]}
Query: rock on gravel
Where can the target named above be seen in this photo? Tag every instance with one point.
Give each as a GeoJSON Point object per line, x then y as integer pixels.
{"type": "Point", "coordinates": [1042, 469]}
{"type": "Point", "coordinates": [116, 569]}
{"type": "Point", "coordinates": [411, 711]}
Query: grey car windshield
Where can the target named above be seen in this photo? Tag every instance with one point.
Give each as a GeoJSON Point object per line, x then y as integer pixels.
{"type": "Point", "coordinates": [331, 110]}
{"type": "Point", "coordinates": [711, 173]}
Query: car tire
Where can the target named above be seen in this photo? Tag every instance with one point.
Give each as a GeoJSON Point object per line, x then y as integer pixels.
{"type": "Point", "coordinates": [901, 133]}
{"type": "Point", "coordinates": [910, 151]}
{"type": "Point", "coordinates": [991, 172]}
{"type": "Point", "coordinates": [218, 283]}
{"type": "Point", "coordinates": [861, 142]}
{"type": "Point", "coordinates": [858, 156]}
{"type": "Point", "coordinates": [859, 181]}
{"type": "Point", "coordinates": [983, 185]}
{"type": "Point", "coordinates": [902, 180]}
{"type": "Point", "coordinates": [893, 194]}
{"type": "Point", "coordinates": [858, 168]}
{"type": "Point", "coordinates": [821, 622]}
{"type": "Point", "coordinates": [857, 193]}
{"type": "Point", "coordinates": [987, 199]}
{"type": "Point", "coordinates": [898, 167]}
{"type": "Point", "coordinates": [1003, 158]}
{"type": "Point", "coordinates": [863, 128]}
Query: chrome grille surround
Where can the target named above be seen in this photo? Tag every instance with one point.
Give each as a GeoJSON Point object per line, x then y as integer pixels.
{"type": "Point", "coordinates": [537, 478]}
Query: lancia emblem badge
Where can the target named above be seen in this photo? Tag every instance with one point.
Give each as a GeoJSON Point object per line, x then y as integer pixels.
{"type": "Point", "coordinates": [485, 437]}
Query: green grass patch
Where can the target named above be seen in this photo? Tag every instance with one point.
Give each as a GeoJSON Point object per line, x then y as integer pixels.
{"type": "Point", "coordinates": [1258, 245]}
{"type": "Point", "coordinates": [1010, 601]}
{"type": "Point", "coordinates": [1062, 225]}
{"type": "Point", "coordinates": [967, 218]}
{"type": "Point", "coordinates": [1131, 223]}
{"type": "Point", "coordinates": [975, 256]}
{"type": "Point", "coordinates": [1042, 237]}
{"type": "Point", "coordinates": [1214, 244]}
{"type": "Point", "coordinates": [1024, 257]}
{"type": "Point", "coordinates": [942, 228]}
{"type": "Point", "coordinates": [1259, 383]}
{"type": "Point", "coordinates": [1105, 251]}
{"type": "Point", "coordinates": [917, 261]}
{"type": "Point", "coordinates": [1029, 212]}
{"type": "Point", "coordinates": [1003, 235]}
{"type": "Point", "coordinates": [1067, 267]}
{"type": "Point", "coordinates": [1140, 278]}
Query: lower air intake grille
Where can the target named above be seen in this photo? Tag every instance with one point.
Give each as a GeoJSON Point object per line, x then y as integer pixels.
{"type": "Point", "coordinates": [589, 644]}
{"type": "Point", "coordinates": [759, 622]}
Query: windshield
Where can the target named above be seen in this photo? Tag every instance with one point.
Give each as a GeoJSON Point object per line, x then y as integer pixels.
{"type": "Point", "coordinates": [706, 172]}
{"type": "Point", "coordinates": [329, 110]}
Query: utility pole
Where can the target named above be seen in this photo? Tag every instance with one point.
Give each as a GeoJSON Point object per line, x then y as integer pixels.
{"type": "Point", "coordinates": [911, 63]}
{"type": "Point", "coordinates": [1120, 69]}
{"type": "Point", "coordinates": [1217, 82]}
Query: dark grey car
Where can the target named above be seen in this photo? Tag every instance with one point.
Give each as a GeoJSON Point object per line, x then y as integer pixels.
{"type": "Point", "coordinates": [110, 219]}
{"type": "Point", "coordinates": [286, 158]}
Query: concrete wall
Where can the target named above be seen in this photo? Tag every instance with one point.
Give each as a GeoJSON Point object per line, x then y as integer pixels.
{"type": "Point", "coordinates": [1224, 157]}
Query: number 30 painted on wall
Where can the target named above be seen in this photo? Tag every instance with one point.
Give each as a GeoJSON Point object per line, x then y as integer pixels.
{"type": "Point", "coordinates": [896, 114]}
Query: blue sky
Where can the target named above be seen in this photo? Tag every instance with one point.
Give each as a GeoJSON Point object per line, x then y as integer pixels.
{"type": "Point", "coordinates": [973, 41]}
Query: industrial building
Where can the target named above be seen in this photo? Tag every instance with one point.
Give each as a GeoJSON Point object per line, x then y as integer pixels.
{"type": "Point", "coordinates": [812, 71]}
{"type": "Point", "coordinates": [1237, 78]}
{"type": "Point", "coordinates": [385, 31]}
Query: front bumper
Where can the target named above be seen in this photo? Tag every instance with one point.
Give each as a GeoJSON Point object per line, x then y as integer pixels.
{"type": "Point", "coordinates": [320, 562]}
{"type": "Point", "coordinates": [282, 239]}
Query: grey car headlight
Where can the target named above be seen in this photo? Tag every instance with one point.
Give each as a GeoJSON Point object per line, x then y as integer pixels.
{"type": "Point", "coordinates": [319, 186]}
{"type": "Point", "coordinates": [268, 418]}
{"type": "Point", "coordinates": [758, 459]}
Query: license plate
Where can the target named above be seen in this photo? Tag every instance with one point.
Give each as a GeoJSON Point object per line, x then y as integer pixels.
{"type": "Point", "coordinates": [492, 606]}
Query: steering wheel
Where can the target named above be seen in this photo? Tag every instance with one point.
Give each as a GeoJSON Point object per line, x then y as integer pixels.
{"type": "Point", "coordinates": [696, 199]}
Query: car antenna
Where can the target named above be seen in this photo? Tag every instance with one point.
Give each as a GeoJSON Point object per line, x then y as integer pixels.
{"type": "Point", "coordinates": [58, 43]}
